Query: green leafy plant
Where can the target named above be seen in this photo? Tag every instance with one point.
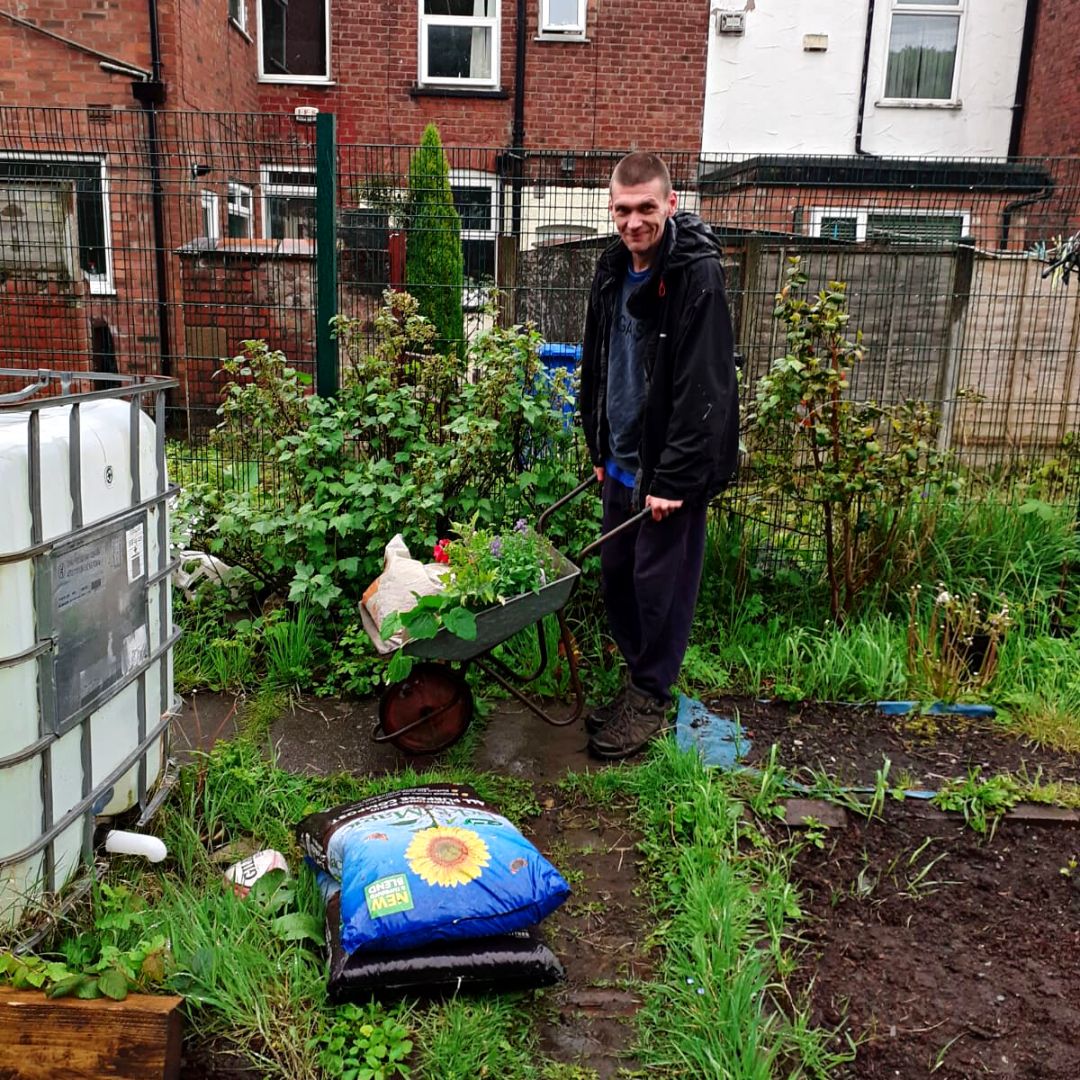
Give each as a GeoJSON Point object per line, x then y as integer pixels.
{"type": "Point", "coordinates": [482, 568]}
{"type": "Point", "coordinates": [857, 465]}
{"type": "Point", "coordinates": [364, 1043]}
{"type": "Point", "coordinates": [434, 263]}
{"type": "Point", "coordinates": [982, 802]}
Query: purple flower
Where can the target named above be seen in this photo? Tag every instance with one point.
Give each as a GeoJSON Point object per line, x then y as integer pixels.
{"type": "Point", "coordinates": [521, 526]}
{"type": "Point", "coordinates": [495, 547]}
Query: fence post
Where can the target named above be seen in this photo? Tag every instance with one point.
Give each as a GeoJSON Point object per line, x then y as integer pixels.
{"type": "Point", "coordinates": [506, 268]}
{"type": "Point", "coordinates": [326, 277]}
{"type": "Point", "coordinates": [960, 295]}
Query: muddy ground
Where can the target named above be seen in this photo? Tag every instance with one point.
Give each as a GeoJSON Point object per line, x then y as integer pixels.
{"type": "Point", "coordinates": [945, 953]}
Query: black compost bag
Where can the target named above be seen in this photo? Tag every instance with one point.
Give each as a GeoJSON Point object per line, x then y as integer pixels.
{"type": "Point", "coordinates": [504, 963]}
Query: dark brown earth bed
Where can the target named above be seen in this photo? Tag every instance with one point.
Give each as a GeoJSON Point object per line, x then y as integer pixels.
{"type": "Point", "coordinates": [850, 742]}
{"type": "Point", "coordinates": [964, 968]}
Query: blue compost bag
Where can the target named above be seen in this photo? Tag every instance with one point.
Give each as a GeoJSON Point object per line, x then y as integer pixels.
{"type": "Point", "coordinates": [429, 864]}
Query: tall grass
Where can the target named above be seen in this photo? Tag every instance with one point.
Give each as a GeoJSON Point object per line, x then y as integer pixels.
{"type": "Point", "coordinates": [716, 1006]}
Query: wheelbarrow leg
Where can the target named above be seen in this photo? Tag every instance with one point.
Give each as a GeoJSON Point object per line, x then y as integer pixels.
{"type": "Point", "coordinates": [498, 671]}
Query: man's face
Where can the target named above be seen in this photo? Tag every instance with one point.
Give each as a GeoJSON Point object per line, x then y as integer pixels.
{"type": "Point", "coordinates": [639, 212]}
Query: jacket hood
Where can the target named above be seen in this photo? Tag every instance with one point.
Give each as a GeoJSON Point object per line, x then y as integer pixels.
{"type": "Point", "coordinates": [686, 240]}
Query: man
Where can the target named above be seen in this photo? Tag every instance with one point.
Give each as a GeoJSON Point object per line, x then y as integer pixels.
{"type": "Point", "coordinates": [659, 407]}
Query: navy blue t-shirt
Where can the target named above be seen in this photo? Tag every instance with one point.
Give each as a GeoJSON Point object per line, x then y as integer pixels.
{"type": "Point", "coordinates": [626, 379]}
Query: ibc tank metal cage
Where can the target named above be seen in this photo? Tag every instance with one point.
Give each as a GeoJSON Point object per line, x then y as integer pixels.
{"type": "Point", "coordinates": [86, 635]}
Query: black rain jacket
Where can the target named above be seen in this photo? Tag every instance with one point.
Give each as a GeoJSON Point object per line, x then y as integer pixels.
{"type": "Point", "coordinates": [690, 431]}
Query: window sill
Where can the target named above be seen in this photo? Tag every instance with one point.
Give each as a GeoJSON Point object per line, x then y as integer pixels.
{"type": "Point", "coordinates": [917, 103]}
{"type": "Point", "coordinates": [418, 90]}
{"type": "Point", "coordinates": [240, 30]}
{"type": "Point", "coordinates": [313, 81]}
{"type": "Point", "coordinates": [547, 36]}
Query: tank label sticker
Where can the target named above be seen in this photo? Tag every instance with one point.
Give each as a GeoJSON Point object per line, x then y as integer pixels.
{"type": "Point", "coordinates": [136, 650]}
{"type": "Point", "coordinates": [136, 565]}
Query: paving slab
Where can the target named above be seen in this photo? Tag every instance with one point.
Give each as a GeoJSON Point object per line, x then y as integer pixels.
{"type": "Point", "coordinates": [803, 812]}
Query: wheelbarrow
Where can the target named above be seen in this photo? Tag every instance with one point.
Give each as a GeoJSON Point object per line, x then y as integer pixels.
{"type": "Point", "coordinates": [431, 709]}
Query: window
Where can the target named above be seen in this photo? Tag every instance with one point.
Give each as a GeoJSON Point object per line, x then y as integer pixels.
{"type": "Point", "coordinates": [54, 218]}
{"type": "Point", "coordinates": [238, 14]}
{"type": "Point", "coordinates": [209, 215]}
{"type": "Point", "coordinates": [294, 38]}
{"type": "Point", "coordinates": [240, 211]}
{"type": "Point", "coordinates": [924, 40]}
{"type": "Point", "coordinates": [288, 202]}
{"type": "Point", "coordinates": [562, 17]}
{"type": "Point", "coordinates": [459, 42]}
{"type": "Point", "coordinates": [475, 202]}
{"type": "Point", "coordinates": [896, 226]}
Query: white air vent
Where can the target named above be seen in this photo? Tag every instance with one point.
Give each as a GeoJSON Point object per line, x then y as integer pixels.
{"type": "Point", "coordinates": [730, 22]}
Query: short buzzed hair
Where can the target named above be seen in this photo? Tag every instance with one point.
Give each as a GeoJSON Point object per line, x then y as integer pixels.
{"type": "Point", "coordinates": [641, 167]}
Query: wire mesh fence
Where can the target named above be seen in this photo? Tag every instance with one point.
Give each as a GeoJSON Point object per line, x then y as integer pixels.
{"type": "Point", "coordinates": [138, 242]}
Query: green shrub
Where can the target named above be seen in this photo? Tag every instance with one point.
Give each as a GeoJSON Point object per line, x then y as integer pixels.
{"type": "Point", "coordinates": [434, 264]}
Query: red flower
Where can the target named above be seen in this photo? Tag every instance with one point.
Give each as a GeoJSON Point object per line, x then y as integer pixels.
{"type": "Point", "coordinates": [440, 552]}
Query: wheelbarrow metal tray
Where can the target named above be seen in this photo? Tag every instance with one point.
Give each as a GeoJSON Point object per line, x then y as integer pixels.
{"type": "Point", "coordinates": [502, 621]}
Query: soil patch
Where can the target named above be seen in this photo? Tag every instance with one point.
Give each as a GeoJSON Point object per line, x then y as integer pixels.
{"type": "Point", "coordinates": [946, 953]}
{"type": "Point", "coordinates": [849, 743]}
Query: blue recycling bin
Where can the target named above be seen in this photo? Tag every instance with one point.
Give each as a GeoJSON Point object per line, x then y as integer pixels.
{"type": "Point", "coordinates": [555, 355]}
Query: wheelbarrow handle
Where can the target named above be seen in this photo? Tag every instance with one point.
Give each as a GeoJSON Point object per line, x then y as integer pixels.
{"type": "Point", "coordinates": [569, 497]}
{"type": "Point", "coordinates": [629, 523]}
{"type": "Point", "coordinates": [585, 484]}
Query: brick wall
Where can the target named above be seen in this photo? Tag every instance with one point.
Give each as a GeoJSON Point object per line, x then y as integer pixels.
{"type": "Point", "coordinates": [38, 70]}
{"type": "Point", "coordinates": [1052, 113]}
{"type": "Point", "coordinates": [43, 324]}
{"type": "Point", "coordinates": [639, 80]}
{"type": "Point", "coordinates": [211, 66]}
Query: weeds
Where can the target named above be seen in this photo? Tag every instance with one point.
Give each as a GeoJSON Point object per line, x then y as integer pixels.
{"type": "Point", "coordinates": [982, 802]}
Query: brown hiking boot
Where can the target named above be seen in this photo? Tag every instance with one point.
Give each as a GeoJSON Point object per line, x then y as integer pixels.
{"type": "Point", "coordinates": [640, 718]}
{"type": "Point", "coordinates": [596, 718]}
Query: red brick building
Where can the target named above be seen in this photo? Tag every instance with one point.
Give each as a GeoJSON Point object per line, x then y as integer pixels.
{"type": "Point", "coordinates": [1050, 124]}
{"type": "Point", "coordinates": [131, 210]}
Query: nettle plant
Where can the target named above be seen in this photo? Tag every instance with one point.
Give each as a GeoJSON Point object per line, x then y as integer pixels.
{"type": "Point", "coordinates": [857, 466]}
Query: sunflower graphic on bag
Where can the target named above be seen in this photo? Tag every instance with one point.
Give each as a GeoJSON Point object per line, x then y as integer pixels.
{"type": "Point", "coordinates": [427, 864]}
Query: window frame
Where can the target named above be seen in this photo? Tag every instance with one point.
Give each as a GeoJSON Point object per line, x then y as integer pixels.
{"type": "Point", "coordinates": [274, 77]}
{"type": "Point", "coordinates": [862, 216]}
{"type": "Point", "coordinates": [563, 33]}
{"type": "Point", "coordinates": [475, 296]}
{"type": "Point", "coordinates": [957, 11]}
{"type": "Point", "coordinates": [100, 284]}
{"type": "Point", "coordinates": [494, 22]}
{"type": "Point", "coordinates": [268, 189]}
{"type": "Point", "coordinates": [235, 188]}
{"type": "Point", "coordinates": [210, 214]}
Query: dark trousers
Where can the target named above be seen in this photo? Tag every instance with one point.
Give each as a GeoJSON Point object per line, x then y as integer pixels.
{"type": "Point", "coordinates": [650, 576]}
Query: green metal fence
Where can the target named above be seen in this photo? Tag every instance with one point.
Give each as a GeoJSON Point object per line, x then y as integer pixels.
{"type": "Point", "coordinates": [128, 250]}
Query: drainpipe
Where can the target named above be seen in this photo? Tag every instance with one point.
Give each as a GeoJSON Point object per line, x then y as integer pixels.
{"type": "Point", "coordinates": [1007, 213]}
{"type": "Point", "coordinates": [1023, 76]}
{"type": "Point", "coordinates": [862, 82]}
{"type": "Point", "coordinates": [150, 95]}
{"type": "Point", "coordinates": [517, 132]}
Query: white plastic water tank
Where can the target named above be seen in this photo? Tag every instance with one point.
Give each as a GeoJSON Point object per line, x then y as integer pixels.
{"type": "Point", "coordinates": [85, 631]}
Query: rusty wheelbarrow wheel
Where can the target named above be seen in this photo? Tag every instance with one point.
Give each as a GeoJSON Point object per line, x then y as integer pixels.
{"type": "Point", "coordinates": [427, 712]}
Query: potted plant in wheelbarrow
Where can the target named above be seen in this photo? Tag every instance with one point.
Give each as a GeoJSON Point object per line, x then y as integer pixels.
{"type": "Point", "coordinates": [491, 586]}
